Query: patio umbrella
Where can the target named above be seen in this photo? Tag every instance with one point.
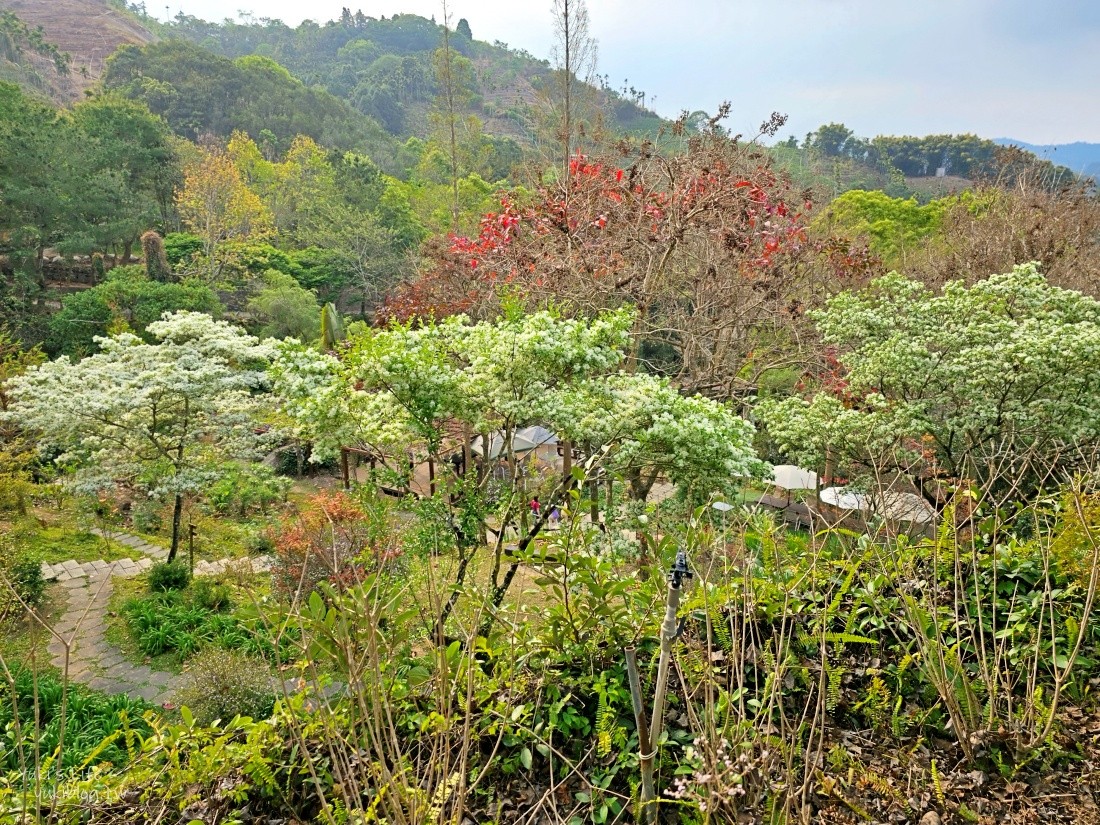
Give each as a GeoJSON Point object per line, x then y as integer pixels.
{"type": "Point", "coordinates": [792, 477]}
{"type": "Point", "coordinates": [842, 499]}
{"type": "Point", "coordinates": [898, 506]}
{"type": "Point", "coordinates": [537, 435]}
{"type": "Point", "coordinates": [496, 445]}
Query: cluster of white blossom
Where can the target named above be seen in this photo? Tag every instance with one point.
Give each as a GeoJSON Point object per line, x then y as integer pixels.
{"type": "Point", "coordinates": [1009, 365]}
{"type": "Point", "coordinates": [398, 388]}
{"type": "Point", "coordinates": [159, 416]}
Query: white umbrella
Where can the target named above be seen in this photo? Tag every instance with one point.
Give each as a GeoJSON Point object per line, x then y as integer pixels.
{"type": "Point", "coordinates": [537, 435]}
{"type": "Point", "coordinates": [841, 498]}
{"type": "Point", "coordinates": [792, 477]}
{"type": "Point", "coordinates": [496, 445]}
{"type": "Point", "coordinates": [907, 507]}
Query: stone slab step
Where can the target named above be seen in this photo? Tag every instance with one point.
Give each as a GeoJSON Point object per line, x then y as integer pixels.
{"type": "Point", "coordinates": [70, 570]}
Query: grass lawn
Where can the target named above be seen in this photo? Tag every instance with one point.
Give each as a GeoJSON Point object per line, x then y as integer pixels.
{"type": "Point", "coordinates": [24, 641]}
{"type": "Point", "coordinates": [52, 537]}
{"type": "Point", "coordinates": [216, 536]}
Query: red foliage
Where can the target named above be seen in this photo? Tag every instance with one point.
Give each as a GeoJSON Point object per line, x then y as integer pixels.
{"type": "Point", "coordinates": [595, 227]}
{"type": "Point", "coordinates": [328, 540]}
{"type": "Point", "coordinates": [709, 245]}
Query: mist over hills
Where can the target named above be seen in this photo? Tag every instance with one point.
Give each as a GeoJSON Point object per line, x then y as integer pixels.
{"type": "Point", "coordinates": [1083, 158]}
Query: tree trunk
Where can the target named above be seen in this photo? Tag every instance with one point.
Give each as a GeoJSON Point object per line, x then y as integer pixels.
{"type": "Point", "coordinates": [467, 449]}
{"type": "Point", "coordinates": [594, 502]}
{"type": "Point", "coordinates": [177, 515]}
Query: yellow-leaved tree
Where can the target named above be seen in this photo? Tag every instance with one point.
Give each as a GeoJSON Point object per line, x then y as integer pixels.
{"type": "Point", "coordinates": [216, 204]}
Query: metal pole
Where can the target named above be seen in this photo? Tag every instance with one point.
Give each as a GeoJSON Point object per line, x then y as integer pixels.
{"type": "Point", "coordinates": [645, 759]}
{"type": "Point", "coordinates": [676, 577]}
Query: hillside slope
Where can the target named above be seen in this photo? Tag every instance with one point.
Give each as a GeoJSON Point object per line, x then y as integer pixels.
{"type": "Point", "coordinates": [383, 68]}
{"type": "Point", "coordinates": [88, 30]}
{"type": "Point", "coordinates": [1082, 158]}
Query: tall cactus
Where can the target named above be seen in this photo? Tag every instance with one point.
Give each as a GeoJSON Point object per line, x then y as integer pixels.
{"type": "Point", "coordinates": [156, 262]}
{"type": "Point", "coordinates": [332, 327]}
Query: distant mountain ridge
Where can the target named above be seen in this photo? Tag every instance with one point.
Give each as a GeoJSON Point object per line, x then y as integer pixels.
{"type": "Point", "coordinates": [88, 30]}
{"type": "Point", "coordinates": [1083, 158]}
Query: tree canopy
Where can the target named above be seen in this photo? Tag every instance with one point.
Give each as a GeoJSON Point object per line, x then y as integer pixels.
{"type": "Point", "coordinates": [992, 383]}
{"type": "Point", "coordinates": [162, 418]}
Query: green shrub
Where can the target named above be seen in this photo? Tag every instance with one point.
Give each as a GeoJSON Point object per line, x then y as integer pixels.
{"type": "Point", "coordinates": [90, 718]}
{"type": "Point", "coordinates": [181, 247]}
{"type": "Point", "coordinates": [211, 595]}
{"type": "Point", "coordinates": [169, 576]}
{"type": "Point", "coordinates": [261, 543]}
{"type": "Point", "coordinates": [147, 516]}
{"type": "Point", "coordinates": [223, 684]}
{"type": "Point", "coordinates": [14, 493]}
{"type": "Point", "coordinates": [243, 490]}
{"type": "Point", "coordinates": [25, 577]}
{"type": "Point", "coordinates": [127, 295]}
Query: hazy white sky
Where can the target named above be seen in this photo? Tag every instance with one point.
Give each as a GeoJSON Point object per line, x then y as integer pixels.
{"type": "Point", "coordinates": [1027, 69]}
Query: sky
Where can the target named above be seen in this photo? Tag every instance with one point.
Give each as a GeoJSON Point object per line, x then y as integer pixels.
{"type": "Point", "coordinates": [1023, 69]}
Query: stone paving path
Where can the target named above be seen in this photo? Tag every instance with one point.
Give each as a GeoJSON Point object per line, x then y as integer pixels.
{"type": "Point", "coordinates": [83, 649]}
{"type": "Point", "coordinates": [89, 657]}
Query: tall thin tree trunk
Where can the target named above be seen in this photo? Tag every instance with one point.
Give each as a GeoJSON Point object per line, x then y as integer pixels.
{"type": "Point", "coordinates": [177, 515]}
{"type": "Point", "coordinates": [449, 88]}
{"type": "Point", "coordinates": [568, 124]}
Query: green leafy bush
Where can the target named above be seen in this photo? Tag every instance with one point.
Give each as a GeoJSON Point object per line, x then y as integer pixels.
{"type": "Point", "coordinates": [182, 622]}
{"type": "Point", "coordinates": [181, 247]}
{"type": "Point", "coordinates": [223, 684]}
{"type": "Point", "coordinates": [244, 490]}
{"type": "Point", "coordinates": [92, 722]}
{"type": "Point", "coordinates": [24, 574]}
{"type": "Point", "coordinates": [148, 516]}
{"type": "Point", "coordinates": [169, 576]}
{"type": "Point", "coordinates": [126, 296]}
{"type": "Point", "coordinates": [211, 595]}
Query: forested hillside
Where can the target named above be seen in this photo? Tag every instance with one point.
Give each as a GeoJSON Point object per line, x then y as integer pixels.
{"type": "Point", "coordinates": [384, 68]}
{"type": "Point", "coordinates": [199, 93]}
{"type": "Point", "coordinates": [59, 48]}
{"type": "Point", "coordinates": [398, 428]}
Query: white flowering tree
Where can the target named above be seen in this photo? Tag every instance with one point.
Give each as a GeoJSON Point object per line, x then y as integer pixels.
{"type": "Point", "coordinates": [161, 418]}
{"type": "Point", "coordinates": [997, 383]}
{"type": "Point", "coordinates": [405, 388]}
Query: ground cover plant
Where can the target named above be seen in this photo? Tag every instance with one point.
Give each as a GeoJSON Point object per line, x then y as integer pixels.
{"type": "Point", "coordinates": [178, 617]}
{"type": "Point", "coordinates": [53, 729]}
{"type": "Point", "coordinates": [827, 676]}
{"type": "Point", "coordinates": [458, 450]}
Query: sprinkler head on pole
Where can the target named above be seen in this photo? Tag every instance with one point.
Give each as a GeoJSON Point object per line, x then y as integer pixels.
{"type": "Point", "coordinates": [679, 570]}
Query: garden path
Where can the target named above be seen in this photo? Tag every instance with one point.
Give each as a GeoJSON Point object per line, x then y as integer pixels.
{"type": "Point", "coordinates": [80, 647]}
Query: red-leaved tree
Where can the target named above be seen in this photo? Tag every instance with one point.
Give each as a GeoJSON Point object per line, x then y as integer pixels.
{"type": "Point", "coordinates": [708, 243]}
{"type": "Point", "coordinates": [334, 539]}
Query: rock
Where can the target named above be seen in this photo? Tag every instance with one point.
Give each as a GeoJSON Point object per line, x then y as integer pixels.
{"type": "Point", "coordinates": [930, 818]}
